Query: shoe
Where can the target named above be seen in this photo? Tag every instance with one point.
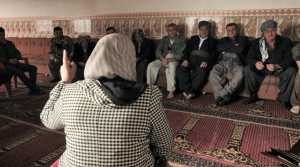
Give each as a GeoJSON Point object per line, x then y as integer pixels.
{"type": "Point", "coordinates": [54, 80]}
{"type": "Point", "coordinates": [38, 91]}
{"type": "Point", "coordinates": [295, 109]}
{"type": "Point", "coordinates": [218, 100]}
{"type": "Point", "coordinates": [284, 105]}
{"type": "Point", "coordinates": [222, 103]}
{"type": "Point", "coordinates": [251, 99]}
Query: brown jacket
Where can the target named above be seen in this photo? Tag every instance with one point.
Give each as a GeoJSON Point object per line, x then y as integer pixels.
{"type": "Point", "coordinates": [67, 44]}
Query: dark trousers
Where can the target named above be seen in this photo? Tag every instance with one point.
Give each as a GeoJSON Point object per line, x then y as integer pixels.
{"type": "Point", "coordinates": [191, 78]}
{"type": "Point", "coordinates": [54, 69]}
{"type": "Point", "coordinates": [79, 74]}
{"type": "Point", "coordinates": [19, 69]}
{"type": "Point", "coordinates": [254, 78]}
{"type": "Point", "coordinates": [141, 71]}
{"type": "Point", "coordinates": [4, 76]}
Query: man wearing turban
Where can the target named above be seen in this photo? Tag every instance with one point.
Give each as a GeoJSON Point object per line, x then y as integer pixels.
{"type": "Point", "coordinates": [200, 56]}
{"type": "Point", "coordinates": [270, 55]}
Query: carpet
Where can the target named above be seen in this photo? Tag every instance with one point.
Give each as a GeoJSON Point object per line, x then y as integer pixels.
{"type": "Point", "coordinates": [205, 134]}
{"type": "Point", "coordinates": [22, 144]}
{"type": "Point", "coordinates": [233, 135]}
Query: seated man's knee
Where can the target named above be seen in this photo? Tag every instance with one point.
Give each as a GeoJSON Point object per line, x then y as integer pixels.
{"type": "Point", "coordinates": [247, 69]}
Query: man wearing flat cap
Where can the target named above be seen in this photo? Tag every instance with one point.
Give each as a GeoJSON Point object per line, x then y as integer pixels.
{"type": "Point", "coordinates": [270, 55]}
{"type": "Point", "coordinates": [233, 50]}
{"type": "Point", "coordinates": [143, 48]}
{"type": "Point", "coordinates": [200, 56]}
{"type": "Point", "coordinates": [168, 53]}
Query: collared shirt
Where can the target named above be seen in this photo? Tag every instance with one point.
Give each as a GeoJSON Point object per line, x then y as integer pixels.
{"type": "Point", "coordinates": [140, 46]}
{"type": "Point", "coordinates": [172, 41]}
{"type": "Point", "coordinates": [201, 41]}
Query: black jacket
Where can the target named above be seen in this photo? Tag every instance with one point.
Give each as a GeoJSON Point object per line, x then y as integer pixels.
{"type": "Point", "coordinates": [13, 51]}
{"type": "Point", "coordinates": [145, 50]}
{"type": "Point", "coordinates": [226, 45]}
{"type": "Point", "coordinates": [79, 54]}
{"type": "Point", "coordinates": [282, 55]}
{"type": "Point", "coordinates": [193, 44]}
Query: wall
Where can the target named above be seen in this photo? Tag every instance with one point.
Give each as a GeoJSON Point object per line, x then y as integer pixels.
{"type": "Point", "coordinates": [153, 23]}
{"type": "Point", "coordinates": [20, 8]}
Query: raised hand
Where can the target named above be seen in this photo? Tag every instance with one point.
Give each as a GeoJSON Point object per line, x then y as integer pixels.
{"type": "Point", "coordinates": [68, 69]}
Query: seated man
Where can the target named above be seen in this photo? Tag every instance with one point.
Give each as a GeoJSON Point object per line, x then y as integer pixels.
{"type": "Point", "coordinates": [82, 51]}
{"type": "Point", "coordinates": [143, 48]}
{"type": "Point", "coordinates": [110, 30]}
{"type": "Point", "coordinates": [201, 54]}
{"type": "Point", "coordinates": [295, 96]}
{"type": "Point", "coordinates": [57, 45]}
{"type": "Point", "coordinates": [168, 53]}
{"type": "Point", "coordinates": [4, 75]}
{"type": "Point", "coordinates": [270, 55]}
{"type": "Point", "coordinates": [234, 49]}
{"type": "Point", "coordinates": [9, 56]}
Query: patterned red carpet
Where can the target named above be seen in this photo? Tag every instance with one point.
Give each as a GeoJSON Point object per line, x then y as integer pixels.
{"type": "Point", "coordinates": [205, 135]}
{"type": "Point", "coordinates": [234, 135]}
{"type": "Point", "coordinates": [26, 145]}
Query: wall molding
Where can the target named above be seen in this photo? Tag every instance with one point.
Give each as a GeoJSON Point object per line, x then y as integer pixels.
{"type": "Point", "coordinates": [154, 23]}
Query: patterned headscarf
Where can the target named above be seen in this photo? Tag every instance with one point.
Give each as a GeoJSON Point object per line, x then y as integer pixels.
{"type": "Point", "coordinates": [82, 37]}
{"type": "Point", "coordinates": [262, 41]}
{"type": "Point", "coordinates": [114, 55]}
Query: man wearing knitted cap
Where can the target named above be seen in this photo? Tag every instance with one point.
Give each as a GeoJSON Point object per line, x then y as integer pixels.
{"type": "Point", "coordinates": [82, 51]}
{"type": "Point", "coordinates": [200, 56]}
{"type": "Point", "coordinates": [169, 52]}
{"type": "Point", "coordinates": [270, 55]}
{"type": "Point", "coordinates": [233, 50]}
{"type": "Point", "coordinates": [143, 48]}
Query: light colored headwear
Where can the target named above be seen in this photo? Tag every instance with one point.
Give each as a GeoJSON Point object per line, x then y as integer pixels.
{"type": "Point", "coordinates": [268, 24]}
{"type": "Point", "coordinates": [137, 31]}
{"type": "Point", "coordinates": [82, 37]}
{"type": "Point", "coordinates": [262, 41]}
{"type": "Point", "coordinates": [114, 55]}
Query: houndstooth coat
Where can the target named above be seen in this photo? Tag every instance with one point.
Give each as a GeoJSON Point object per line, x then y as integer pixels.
{"type": "Point", "coordinates": [100, 133]}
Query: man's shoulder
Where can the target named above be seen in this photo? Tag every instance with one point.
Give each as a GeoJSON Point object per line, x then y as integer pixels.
{"type": "Point", "coordinates": [67, 38]}
{"type": "Point", "coordinates": [9, 42]}
{"type": "Point", "coordinates": [195, 37]}
{"type": "Point", "coordinates": [255, 41]}
{"type": "Point", "coordinates": [148, 40]}
{"type": "Point", "coordinates": [213, 39]}
{"type": "Point", "coordinates": [283, 39]}
{"type": "Point", "coordinates": [52, 39]}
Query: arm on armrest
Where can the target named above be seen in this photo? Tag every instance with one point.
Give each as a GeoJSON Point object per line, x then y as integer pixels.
{"type": "Point", "coordinates": [25, 59]}
{"type": "Point", "coordinates": [2, 65]}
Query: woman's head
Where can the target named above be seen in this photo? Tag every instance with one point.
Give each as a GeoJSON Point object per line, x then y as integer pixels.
{"type": "Point", "coordinates": [114, 55]}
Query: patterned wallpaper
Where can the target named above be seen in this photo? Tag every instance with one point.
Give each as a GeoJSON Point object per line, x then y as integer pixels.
{"type": "Point", "coordinates": [154, 24]}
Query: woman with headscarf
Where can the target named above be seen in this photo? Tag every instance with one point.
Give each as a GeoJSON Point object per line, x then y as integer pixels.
{"type": "Point", "coordinates": [108, 118]}
{"type": "Point", "coordinates": [82, 51]}
{"type": "Point", "coordinates": [143, 48]}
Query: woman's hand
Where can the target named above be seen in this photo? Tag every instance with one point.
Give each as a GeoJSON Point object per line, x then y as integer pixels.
{"type": "Point", "coordinates": [68, 69]}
